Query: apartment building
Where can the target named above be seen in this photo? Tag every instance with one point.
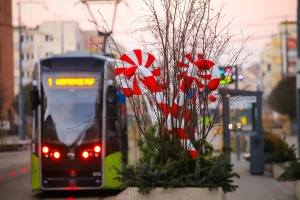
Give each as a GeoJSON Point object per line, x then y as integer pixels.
{"type": "Point", "coordinates": [278, 58]}
{"type": "Point", "coordinates": [48, 39]}
{"type": "Point", "coordinates": [6, 62]}
{"type": "Point", "coordinates": [52, 38]}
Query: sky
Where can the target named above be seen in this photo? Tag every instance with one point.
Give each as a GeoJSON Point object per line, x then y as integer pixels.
{"type": "Point", "coordinates": [256, 18]}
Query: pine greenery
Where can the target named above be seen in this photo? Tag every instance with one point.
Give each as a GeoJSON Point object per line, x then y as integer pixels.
{"type": "Point", "coordinates": [164, 163]}
{"type": "Point", "coordinates": [277, 150]}
{"type": "Point", "coordinates": [291, 172]}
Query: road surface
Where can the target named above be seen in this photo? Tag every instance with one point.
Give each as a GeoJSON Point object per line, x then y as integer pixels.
{"type": "Point", "coordinates": [15, 181]}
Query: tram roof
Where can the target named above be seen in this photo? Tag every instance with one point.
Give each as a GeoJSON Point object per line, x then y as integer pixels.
{"type": "Point", "coordinates": [79, 53]}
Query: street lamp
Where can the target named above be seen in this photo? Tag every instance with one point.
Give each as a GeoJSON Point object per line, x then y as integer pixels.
{"type": "Point", "coordinates": [20, 99]}
{"type": "Point", "coordinates": [236, 127]}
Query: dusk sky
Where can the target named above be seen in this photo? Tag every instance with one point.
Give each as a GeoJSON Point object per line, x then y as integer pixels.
{"type": "Point", "coordinates": [256, 18]}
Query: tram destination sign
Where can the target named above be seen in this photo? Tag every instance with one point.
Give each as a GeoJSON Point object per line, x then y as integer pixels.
{"type": "Point", "coordinates": [71, 82]}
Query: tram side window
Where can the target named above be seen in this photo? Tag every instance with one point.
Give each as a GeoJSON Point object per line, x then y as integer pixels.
{"type": "Point", "coordinates": [35, 134]}
{"type": "Point", "coordinates": [112, 95]}
{"type": "Point", "coordinates": [113, 140]}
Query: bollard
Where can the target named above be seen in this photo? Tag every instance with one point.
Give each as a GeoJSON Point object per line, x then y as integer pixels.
{"type": "Point", "coordinates": [257, 154]}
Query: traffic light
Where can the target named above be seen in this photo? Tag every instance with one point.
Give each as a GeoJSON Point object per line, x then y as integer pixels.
{"type": "Point", "coordinates": [226, 75]}
{"type": "Point", "coordinates": [230, 74]}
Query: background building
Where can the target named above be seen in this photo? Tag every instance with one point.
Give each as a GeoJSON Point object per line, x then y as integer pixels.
{"type": "Point", "coordinates": [278, 61]}
{"type": "Point", "coordinates": [52, 38]}
{"type": "Point", "coordinates": [278, 58]}
{"type": "Point", "coordinates": [45, 40]}
{"type": "Point", "coordinates": [6, 61]}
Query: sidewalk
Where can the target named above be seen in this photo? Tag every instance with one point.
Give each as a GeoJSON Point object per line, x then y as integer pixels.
{"type": "Point", "coordinates": [251, 187]}
{"type": "Point", "coordinates": [258, 187]}
{"type": "Point", "coordinates": [12, 140]}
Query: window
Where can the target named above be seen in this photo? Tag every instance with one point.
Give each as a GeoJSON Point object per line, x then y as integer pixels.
{"type": "Point", "coordinates": [27, 56]}
{"type": "Point", "coordinates": [49, 54]}
{"type": "Point", "coordinates": [279, 69]}
{"type": "Point", "coordinates": [269, 67]}
{"type": "Point", "coordinates": [29, 38]}
{"type": "Point", "coordinates": [48, 38]}
{"type": "Point", "coordinates": [26, 38]}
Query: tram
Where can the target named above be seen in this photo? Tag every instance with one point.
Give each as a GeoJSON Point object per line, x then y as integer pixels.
{"type": "Point", "coordinates": [79, 132]}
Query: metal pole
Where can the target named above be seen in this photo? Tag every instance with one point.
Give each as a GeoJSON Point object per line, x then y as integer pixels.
{"type": "Point", "coordinates": [226, 131]}
{"type": "Point", "coordinates": [114, 16]}
{"type": "Point", "coordinates": [259, 114]}
{"type": "Point", "coordinates": [105, 34]}
{"type": "Point", "coordinates": [298, 74]}
{"type": "Point", "coordinates": [238, 150]}
{"type": "Point", "coordinates": [21, 109]}
{"type": "Point", "coordinates": [286, 35]}
{"type": "Point", "coordinates": [236, 78]}
{"type": "Point", "coordinates": [104, 43]}
{"type": "Point", "coordinates": [62, 37]}
{"type": "Point", "coordinates": [237, 137]}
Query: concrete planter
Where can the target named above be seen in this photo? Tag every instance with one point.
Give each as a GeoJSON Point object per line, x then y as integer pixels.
{"type": "Point", "coordinates": [297, 189]}
{"type": "Point", "coordinates": [177, 193]}
{"type": "Point", "coordinates": [278, 169]}
{"type": "Point", "coordinates": [268, 168]}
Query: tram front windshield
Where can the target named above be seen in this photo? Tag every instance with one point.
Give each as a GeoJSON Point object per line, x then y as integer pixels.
{"type": "Point", "coordinates": [71, 108]}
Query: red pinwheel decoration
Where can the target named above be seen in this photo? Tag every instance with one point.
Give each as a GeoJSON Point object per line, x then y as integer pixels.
{"type": "Point", "coordinates": [136, 74]}
{"type": "Point", "coordinates": [136, 68]}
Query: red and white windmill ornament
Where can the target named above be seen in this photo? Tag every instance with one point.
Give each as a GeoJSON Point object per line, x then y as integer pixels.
{"type": "Point", "coordinates": [134, 68]}
{"type": "Point", "coordinates": [136, 74]}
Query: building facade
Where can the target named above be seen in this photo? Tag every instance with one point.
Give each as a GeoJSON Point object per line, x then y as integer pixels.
{"type": "Point", "coordinates": [52, 38]}
{"type": "Point", "coordinates": [48, 39]}
{"type": "Point", "coordinates": [6, 62]}
{"type": "Point", "coordinates": [278, 61]}
{"type": "Point", "coordinates": [278, 58]}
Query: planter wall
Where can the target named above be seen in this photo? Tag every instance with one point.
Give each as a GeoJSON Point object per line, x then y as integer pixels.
{"type": "Point", "coordinates": [278, 169]}
{"type": "Point", "coordinates": [268, 168]}
{"type": "Point", "coordinates": [177, 193]}
{"type": "Point", "coordinates": [297, 189]}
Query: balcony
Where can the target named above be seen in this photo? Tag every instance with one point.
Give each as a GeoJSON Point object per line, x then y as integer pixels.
{"type": "Point", "coordinates": [26, 45]}
{"type": "Point", "coordinates": [26, 64]}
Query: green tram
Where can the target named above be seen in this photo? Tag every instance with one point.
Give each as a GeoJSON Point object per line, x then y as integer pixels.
{"type": "Point", "coordinates": [79, 123]}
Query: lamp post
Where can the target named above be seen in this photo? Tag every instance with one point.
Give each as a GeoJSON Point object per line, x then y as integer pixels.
{"type": "Point", "coordinates": [298, 74]}
{"type": "Point", "coordinates": [235, 128]}
{"type": "Point", "coordinates": [20, 99]}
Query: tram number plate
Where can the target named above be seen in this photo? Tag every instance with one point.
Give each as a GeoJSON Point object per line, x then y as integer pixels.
{"type": "Point", "coordinates": [96, 173]}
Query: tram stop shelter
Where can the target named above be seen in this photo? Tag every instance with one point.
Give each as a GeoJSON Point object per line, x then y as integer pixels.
{"type": "Point", "coordinates": [229, 98]}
